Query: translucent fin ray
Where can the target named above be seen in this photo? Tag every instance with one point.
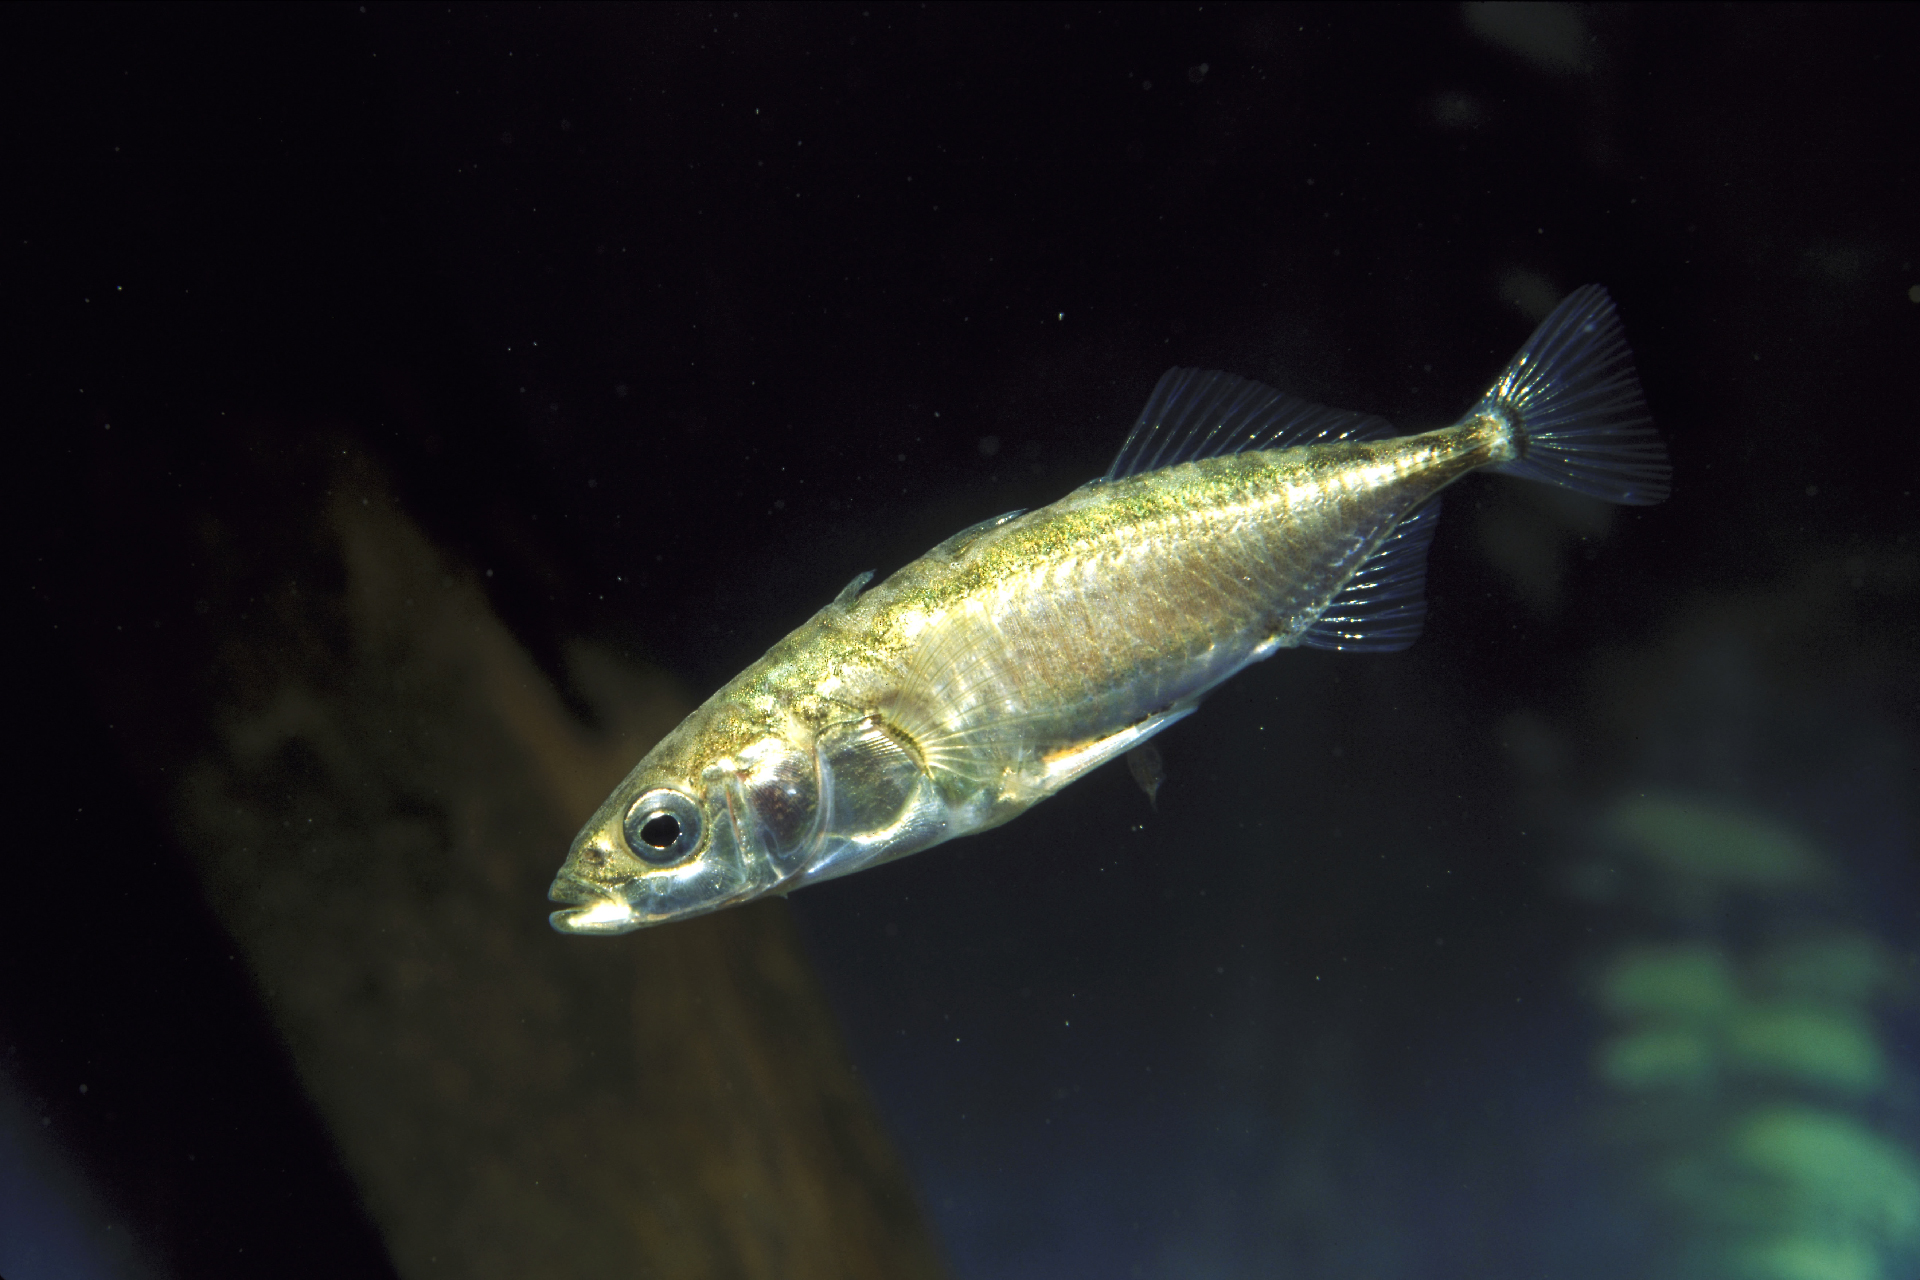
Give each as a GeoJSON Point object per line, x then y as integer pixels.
{"type": "Point", "coordinates": [1576, 402]}
{"type": "Point", "coordinates": [1202, 413]}
{"type": "Point", "coordinates": [956, 668]}
{"type": "Point", "coordinates": [1384, 604]}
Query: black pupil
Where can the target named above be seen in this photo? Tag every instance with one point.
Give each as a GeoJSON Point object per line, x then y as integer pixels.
{"type": "Point", "coordinates": [661, 831]}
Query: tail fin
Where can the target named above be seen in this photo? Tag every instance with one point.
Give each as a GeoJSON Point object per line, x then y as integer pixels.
{"type": "Point", "coordinates": [1574, 400]}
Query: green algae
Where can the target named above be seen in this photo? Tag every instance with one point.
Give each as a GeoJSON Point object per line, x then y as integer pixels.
{"type": "Point", "coordinates": [1749, 1057]}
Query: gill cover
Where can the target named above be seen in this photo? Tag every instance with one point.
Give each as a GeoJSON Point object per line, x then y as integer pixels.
{"type": "Point", "coordinates": [881, 803]}
{"type": "Point", "coordinates": [774, 801]}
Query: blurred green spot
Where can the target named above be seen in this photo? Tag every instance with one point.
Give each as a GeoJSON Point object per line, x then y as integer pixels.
{"type": "Point", "coordinates": [1692, 982]}
{"type": "Point", "coordinates": [1708, 843]}
{"type": "Point", "coordinates": [1821, 1048]}
{"type": "Point", "coordinates": [1835, 1172]}
{"type": "Point", "coordinates": [1811, 1258]}
{"type": "Point", "coordinates": [1656, 1059]}
{"type": "Point", "coordinates": [1848, 969]}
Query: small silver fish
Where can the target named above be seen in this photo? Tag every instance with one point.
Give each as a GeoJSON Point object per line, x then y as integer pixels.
{"type": "Point", "coordinates": [1026, 650]}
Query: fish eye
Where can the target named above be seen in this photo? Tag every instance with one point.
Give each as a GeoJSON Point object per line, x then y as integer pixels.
{"type": "Point", "coordinates": [662, 827]}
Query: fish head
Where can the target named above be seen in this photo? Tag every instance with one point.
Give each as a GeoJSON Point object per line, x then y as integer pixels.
{"type": "Point", "coordinates": [723, 810]}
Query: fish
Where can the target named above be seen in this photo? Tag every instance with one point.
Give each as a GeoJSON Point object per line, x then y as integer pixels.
{"type": "Point", "coordinates": [1028, 649]}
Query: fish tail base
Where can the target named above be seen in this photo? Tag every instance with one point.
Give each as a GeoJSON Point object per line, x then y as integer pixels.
{"type": "Point", "coordinates": [1575, 413]}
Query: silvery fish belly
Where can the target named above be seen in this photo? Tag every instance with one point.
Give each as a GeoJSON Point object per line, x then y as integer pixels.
{"type": "Point", "coordinates": [1026, 650]}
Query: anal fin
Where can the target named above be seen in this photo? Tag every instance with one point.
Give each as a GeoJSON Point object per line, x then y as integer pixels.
{"type": "Point", "coordinates": [1384, 604]}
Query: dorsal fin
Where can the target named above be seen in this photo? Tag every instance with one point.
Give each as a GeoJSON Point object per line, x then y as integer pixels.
{"type": "Point", "coordinates": [1383, 605]}
{"type": "Point", "coordinates": [1202, 413]}
{"type": "Point", "coordinates": [851, 591]}
{"type": "Point", "coordinates": [953, 546]}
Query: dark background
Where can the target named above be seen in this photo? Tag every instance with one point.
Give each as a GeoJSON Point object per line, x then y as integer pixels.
{"type": "Point", "coordinates": [674, 318]}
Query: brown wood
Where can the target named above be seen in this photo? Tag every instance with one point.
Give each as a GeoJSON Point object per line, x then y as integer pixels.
{"type": "Point", "coordinates": [379, 790]}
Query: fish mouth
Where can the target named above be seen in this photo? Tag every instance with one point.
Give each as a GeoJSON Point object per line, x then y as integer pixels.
{"type": "Point", "coordinates": [594, 910]}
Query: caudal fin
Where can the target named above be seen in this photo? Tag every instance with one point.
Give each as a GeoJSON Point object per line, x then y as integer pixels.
{"type": "Point", "coordinates": [1580, 419]}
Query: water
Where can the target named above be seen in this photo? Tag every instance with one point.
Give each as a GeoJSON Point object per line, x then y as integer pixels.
{"type": "Point", "coordinates": [634, 336]}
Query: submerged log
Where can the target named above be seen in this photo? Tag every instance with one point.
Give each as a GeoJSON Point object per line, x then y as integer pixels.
{"type": "Point", "coordinates": [387, 786]}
